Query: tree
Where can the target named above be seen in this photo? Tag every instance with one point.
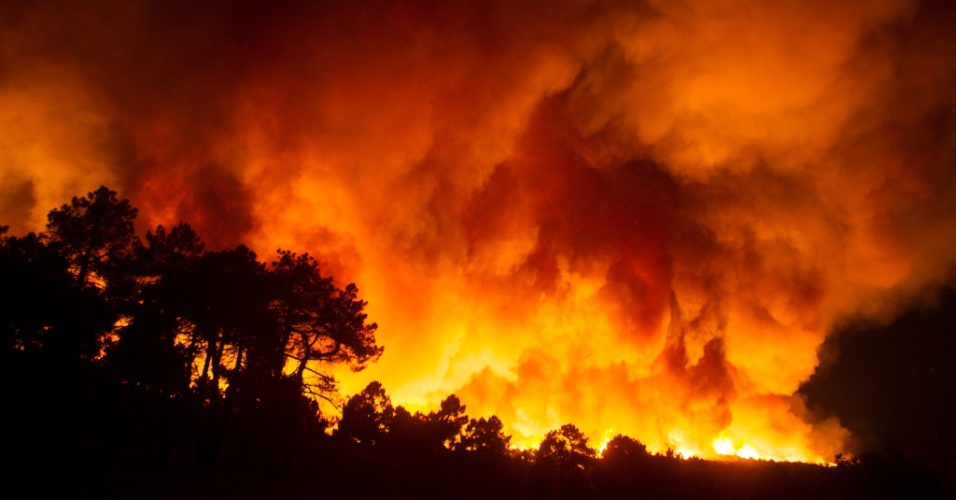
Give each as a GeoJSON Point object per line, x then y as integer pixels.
{"type": "Point", "coordinates": [43, 310]}
{"type": "Point", "coordinates": [318, 322]}
{"type": "Point", "coordinates": [367, 416]}
{"type": "Point", "coordinates": [623, 449]}
{"type": "Point", "coordinates": [406, 433]}
{"type": "Point", "coordinates": [227, 299]}
{"type": "Point", "coordinates": [485, 436]}
{"type": "Point", "coordinates": [154, 348]}
{"type": "Point", "coordinates": [36, 286]}
{"type": "Point", "coordinates": [444, 426]}
{"type": "Point", "coordinates": [166, 254]}
{"type": "Point", "coordinates": [565, 444]}
{"type": "Point", "coordinates": [68, 283]}
{"type": "Point", "coordinates": [564, 461]}
{"type": "Point", "coordinates": [145, 336]}
{"type": "Point", "coordinates": [94, 233]}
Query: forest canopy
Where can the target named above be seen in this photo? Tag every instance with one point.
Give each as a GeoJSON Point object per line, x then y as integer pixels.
{"type": "Point", "coordinates": [221, 335]}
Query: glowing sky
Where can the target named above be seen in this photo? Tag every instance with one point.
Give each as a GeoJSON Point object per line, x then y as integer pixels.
{"type": "Point", "coordinates": [639, 217]}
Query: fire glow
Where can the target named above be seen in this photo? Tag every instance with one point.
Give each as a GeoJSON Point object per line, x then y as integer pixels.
{"type": "Point", "coordinates": [642, 217]}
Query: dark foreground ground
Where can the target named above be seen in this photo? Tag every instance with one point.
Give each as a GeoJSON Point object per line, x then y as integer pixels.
{"type": "Point", "coordinates": [338, 469]}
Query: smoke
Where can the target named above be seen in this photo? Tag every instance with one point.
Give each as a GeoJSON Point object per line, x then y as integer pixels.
{"type": "Point", "coordinates": [642, 217]}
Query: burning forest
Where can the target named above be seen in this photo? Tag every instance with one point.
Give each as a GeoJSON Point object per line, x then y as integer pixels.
{"type": "Point", "coordinates": [650, 219]}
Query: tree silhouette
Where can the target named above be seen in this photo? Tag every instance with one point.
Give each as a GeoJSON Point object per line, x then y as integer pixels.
{"type": "Point", "coordinates": [177, 330]}
{"type": "Point", "coordinates": [622, 449]}
{"type": "Point", "coordinates": [623, 463]}
{"type": "Point", "coordinates": [565, 444]}
{"type": "Point", "coordinates": [94, 233]}
{"type": "Point", "coordinates": [154, 349]}
{"type": "Point", "coordinates": [318, 322]}
{"type": "Point", "coordinates": [36, 284]}
{"type": "Point", "coordinates": [485, 436]}
{"type": "Point", "coordinates": [166, 253]}
{"type": "Point", "coordinates": [367, 416]}
{"type": "Point", "coordinates": [562, 461]}
{"type": "Point", "coordinates": [444, 426]}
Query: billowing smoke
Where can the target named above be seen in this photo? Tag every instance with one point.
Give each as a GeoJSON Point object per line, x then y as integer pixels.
{"type": "Point", "coordinates": [640, 217]}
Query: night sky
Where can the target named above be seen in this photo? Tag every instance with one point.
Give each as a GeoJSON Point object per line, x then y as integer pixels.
{"type": "Point", "coordinates": [894, 385]}
{"type": "Point", "coordinates": [719, 227]}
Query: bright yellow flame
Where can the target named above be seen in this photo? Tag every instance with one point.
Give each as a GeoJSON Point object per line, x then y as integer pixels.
{"type": "Point", "coordinates": [724, 446]}
{"type": "Point", "coordinates": [607, 439]}
{"type": "Point", "coordinates": [747, 451]}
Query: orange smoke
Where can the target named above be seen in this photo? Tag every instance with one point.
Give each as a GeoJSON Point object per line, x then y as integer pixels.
{"type": "Point", "coordinates": [638, 216]}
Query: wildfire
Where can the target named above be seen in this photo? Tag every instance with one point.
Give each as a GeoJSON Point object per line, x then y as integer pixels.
{"type": "Point", "coordinates": [725, 446]}
{"type": "Point", "coordinates": [608, 434]}
{"type": "Point", "coordinates": [639, 218]}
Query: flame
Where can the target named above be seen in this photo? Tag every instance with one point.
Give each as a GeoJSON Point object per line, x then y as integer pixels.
{"type": "Point", "coordinates": [608, 434]}
{"type": "Point", "coordinates": [725, 446]}
{"type": "Point", "coordinates": [748, 452]}
{"type": "Point", "coordinates": [640, 218]}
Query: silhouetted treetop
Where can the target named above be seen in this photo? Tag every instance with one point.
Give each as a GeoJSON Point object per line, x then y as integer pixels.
{"type": "Point", "coordinates": [622, 448]}
{"type": "Point", "coordinates": [566, 443]}
{"type": "Point", "coordinates": [445, 424]}
{"type": "Point", "coordinates": [485, 436]}
{"type": "Point", "coordinates": [219, 336]}
{"type": "Point", "coordinates": [320, 322]}
{"type": "Point", "coordinates": [93, 233]}
{"type": "Point", "coordinates": [38, 298]}
{"type": "Point", "coordinates": [367, 416]}
{"type": "Point", "coordinates": [166, 251]}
